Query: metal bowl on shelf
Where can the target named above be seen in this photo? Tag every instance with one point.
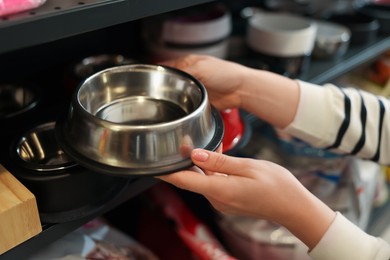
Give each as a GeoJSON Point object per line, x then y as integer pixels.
{"type": "Point", "coordinates": [64, 190]}
{"type": "Point", "coordinates": [139, 119]}
{"type": "Point", "coordinates": [332, 40]}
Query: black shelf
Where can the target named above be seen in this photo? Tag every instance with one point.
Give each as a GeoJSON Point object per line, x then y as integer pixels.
{"type": "Point", "coordinates": [57, 19]}
{"type": "Point", "coordinates": [324, 71]}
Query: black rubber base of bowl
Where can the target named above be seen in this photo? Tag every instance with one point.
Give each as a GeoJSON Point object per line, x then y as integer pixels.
{"type": "Point", "coordinates": [131, 172]}
{"type": "Point", "coordinates": [84, 211]}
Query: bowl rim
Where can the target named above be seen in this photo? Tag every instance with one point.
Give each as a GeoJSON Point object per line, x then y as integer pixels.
{"type": "Point", "coordinates": [39, 168]}
{"type": "Point", "coordinates": [106, 123]}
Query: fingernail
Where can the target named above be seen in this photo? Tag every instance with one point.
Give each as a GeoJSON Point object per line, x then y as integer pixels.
{"type": "Point", "coordinates": [200, 155]}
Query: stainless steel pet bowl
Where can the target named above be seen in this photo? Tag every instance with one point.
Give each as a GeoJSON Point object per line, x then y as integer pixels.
{"type": "Point", "coordinates": [38, 150]}
{"type": "Point", "coordinates": [139, 120]}
{"type": "Point", "coordinates": [64, 190]}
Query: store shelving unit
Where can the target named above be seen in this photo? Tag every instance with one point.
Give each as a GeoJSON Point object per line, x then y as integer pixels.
{"type": "Point", "coordinates": [323, 71]}
{"type": "Point", "coordinates": [58, 19]}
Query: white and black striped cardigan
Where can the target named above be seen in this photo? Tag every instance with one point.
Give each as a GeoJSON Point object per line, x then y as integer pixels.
{"type": "Point", "coordinates": [346, 120]}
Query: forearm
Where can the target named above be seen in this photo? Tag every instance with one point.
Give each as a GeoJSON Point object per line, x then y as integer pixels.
{"type": "Point", "coordinates": [307, 217]}
{"type": "Point", "coordinates": [269, 96]}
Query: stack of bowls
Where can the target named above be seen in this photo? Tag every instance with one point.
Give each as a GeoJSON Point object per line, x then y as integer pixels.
{"type": "Point", "coordinates": [201, 30]}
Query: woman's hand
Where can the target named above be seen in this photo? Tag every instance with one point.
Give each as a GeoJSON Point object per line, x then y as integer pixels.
{"type": "Point", "coordinates": [221, 78]}
{"type": "Point", "coordinates": [256, 188]}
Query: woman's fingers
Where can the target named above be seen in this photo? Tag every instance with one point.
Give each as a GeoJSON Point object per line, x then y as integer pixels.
{"type": "Point", "coordinates": [191, 180]}
{"type": "Point", "coordinates": [214, 175]}
{"type": "Point", "coordinates": [217, 162]}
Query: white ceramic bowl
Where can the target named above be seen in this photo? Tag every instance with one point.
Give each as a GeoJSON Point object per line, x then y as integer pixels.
{"type": "Point", "coordinates": [281, 34]}
{"type": "Point", "coordinates": [160, 53]}
{"type": "Point", "coordinates": [201, 30]}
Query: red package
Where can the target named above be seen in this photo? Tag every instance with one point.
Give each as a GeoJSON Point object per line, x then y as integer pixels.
{"type": "Point", "coordinates": [380, 71]}
{"type": "Point", "coordinates": [195, 234]}
{"type": "Point", "coordinates": [8, 7]}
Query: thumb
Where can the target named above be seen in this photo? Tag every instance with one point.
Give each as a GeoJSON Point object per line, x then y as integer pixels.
{"type": "Point", "coordinates": [217, 162]}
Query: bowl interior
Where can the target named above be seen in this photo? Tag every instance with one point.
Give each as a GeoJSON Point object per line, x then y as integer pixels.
{"type": "Point", "coordinates": [38, 149]}
{"type": "Point", "coordinates": [139, 96]}
{"type": "Point", "coordinates": [141, 111]}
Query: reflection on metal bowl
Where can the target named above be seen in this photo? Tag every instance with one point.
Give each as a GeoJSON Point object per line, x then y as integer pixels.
{"type": "Point", "coordinates": [39, 150]}
{"type": "Point", "coordinates": [64, 190]}
{"type": "Point", "coordinates": [139, 120]}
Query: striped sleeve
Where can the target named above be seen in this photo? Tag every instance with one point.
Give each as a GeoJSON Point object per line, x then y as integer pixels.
{"type": "Point", "coordinates": [344, 240]}
{"type": "Point", "coordinates": [344, 120]}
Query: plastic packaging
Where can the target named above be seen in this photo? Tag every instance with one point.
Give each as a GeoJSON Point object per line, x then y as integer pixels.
{"type": "Point", "coordinates": [194, 233]}
{"type": "Point", "coordinates": [95, 240]}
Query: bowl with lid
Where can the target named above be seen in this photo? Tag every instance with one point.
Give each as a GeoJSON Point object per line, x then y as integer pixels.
{"type": "Point", "coordinates": [139, 119]}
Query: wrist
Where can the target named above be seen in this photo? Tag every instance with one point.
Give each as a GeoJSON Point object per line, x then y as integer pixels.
{"type": "Point", "coordinates": [269, 96]}
{"type": "Point", "coordinates": [309, 221]}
